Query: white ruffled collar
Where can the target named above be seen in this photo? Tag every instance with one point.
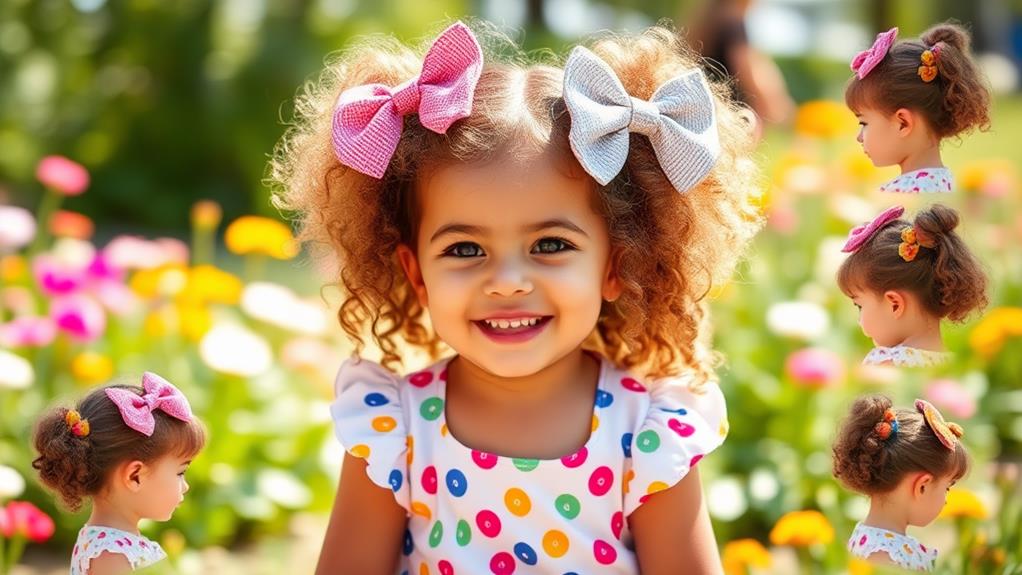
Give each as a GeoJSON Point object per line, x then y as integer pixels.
{"type": "Point", "coordinates": [904, 356]}
{"type": "Point", "coordinates": [922, 181]}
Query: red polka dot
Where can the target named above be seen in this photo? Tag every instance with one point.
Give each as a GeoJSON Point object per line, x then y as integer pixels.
{"type": "Point", "coordinates": [421, 379]}
{"type": "Point", "coordinates": [445, 567]}
{"type": "Point", "coordinates": [484, 460]}
{"type": "Point", "coordinates": [601, 481]}
{"type": "Point", "coordinates": [632, 384]}
{"type": "Point", "coordinates": [429, 481]}
{"type": "Point", "coordinates": [576, 459]}
{"type": "Point", "coordinates": [681, 428]}
{"type": "Point", "coordinates": [503, 563]}
{"type": "Point", "coordinates": [862, 540]}
{"type": "Point", "coordinates": [488, 523]}
{"type": "Point", "coordinates": [617, 523]}
{"type": "Point", "coordinates": [443, 375]}
{"type": "Point", "coordinates": [604, 552]}
{"type": "Point", "coordinates": [695, 459]}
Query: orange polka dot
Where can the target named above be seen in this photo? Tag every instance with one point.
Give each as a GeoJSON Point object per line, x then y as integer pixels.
{"type": "Point", "coordinates": [443, 430]}
{"type": "Point", "coordinates": [423, 569]}
{"type": "Point", "coordinates": [555, 543]}
{"type": "Point", "coordinates": [596, 422]}
{"type": "Point", "coordinates": [629, 476]}
{"type": "Point", "coordinates": [410, 442]}
{"type": "Point", "coordinates": [361, 451]}
{"type": "Point", "coordinates": [384, 423]}
{"type": "Point", "coordinates": [517, 502]}
{"type": "Point", "coordinates": [420, 508]}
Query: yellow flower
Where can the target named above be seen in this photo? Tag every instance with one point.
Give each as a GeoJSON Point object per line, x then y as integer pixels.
{"type": "Point", "coordinates": [173, 542]}
{"type": "Point", "coordinates": [208, 284]}
{"type": "Point", "coordinates": [988, 337]}
{"type": "Point", "coordinates": [802, 529]}
{"type": "Point", "coordinates": [963, 503]}
{"type": "Point", "coordinates": [858, 166]}
{"type": "Point", "coordinates": [991, 177]}
{"type": "Point", "coordinates": [824, 119]}
{"type": "Point", "coordinates": [165, 280]}
{"type": "Point", "coordinates": [12, 268]}
{"type": "Point", "coordinates": [259, 235]}
{"type": "Point", "coordinates": [194, 321]}
{"type": "Point", "coordinates": [91, 367]}
{"type": "Point", "coordinates": [206, 215]}
{"type": "Point", "coordinates": [741, 554]}
{"type": "Point", "coordinates": [858, 566]}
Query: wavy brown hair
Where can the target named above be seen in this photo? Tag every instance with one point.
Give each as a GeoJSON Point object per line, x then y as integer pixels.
{"type": "Point", "coordinates": [78, 467]}
{"type": "Point", "coordinates": [869, 464]}
{"type": "Point", "coordinates": [955, 102]}
{"type": "Point", "coordinates": [945, 276]}
{"type": "Point", "coordinates": [671, 248]}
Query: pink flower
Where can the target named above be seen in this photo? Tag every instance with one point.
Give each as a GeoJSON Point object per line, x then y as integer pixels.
{"type": "Point", "coordinates": [80, 316]}
{"type": "Point", "coordinates": [17, 228]}
{"type": "Point", "coordinates": [130, 252]}
{"type": "Point", "coordinates": [815, 367]}
{"type": "Point", "coordinates": [24, 519]}
{"type": "Point", "coordinates": [950, 397]}
{"type": "Point", "coordinates": [56, 277]}
{"type": "Point", "coordinates": [28, 331]}
{"type": "Point", "coordinates": [62, 175]}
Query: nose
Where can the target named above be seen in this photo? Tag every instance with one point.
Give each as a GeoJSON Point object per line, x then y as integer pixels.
{"type": "Point", "coordinates": [858, 138]}
{"type": "Point", "coordinates": [510, 277]}
{"type": "Point", "coordinates": [184, 482]}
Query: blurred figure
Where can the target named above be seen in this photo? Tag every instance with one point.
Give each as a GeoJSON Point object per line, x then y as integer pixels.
{"type": "Point", "coordinates": [718, 33]}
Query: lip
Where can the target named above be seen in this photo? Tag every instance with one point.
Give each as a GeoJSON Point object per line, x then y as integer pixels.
{"type": "Point", "coordinates": [516, 335]}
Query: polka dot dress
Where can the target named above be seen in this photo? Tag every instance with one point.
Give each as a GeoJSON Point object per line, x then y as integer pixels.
{"type": "Point", "coordinates": [925, 181]}
{"type": "Point", "coordinates": [904, 551]}
{"type": "Point", "coordinates": [472, 512]}
{"type": "Point", "coordinates": [94, 540]}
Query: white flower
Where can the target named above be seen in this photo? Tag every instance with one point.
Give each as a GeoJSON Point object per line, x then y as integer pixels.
{"type": "Point", "coordinates": [279, 306]}
{"type": "Point", "coordinates": [232, 349]}
{"type": "Point", "coordinates": [15, 371]}
{"type": "Point", "coordinates": [11, 483]}
{"type": "Point", "coordinates": [829, 258]}
{"type": "Point", "coordinates": [726, 499]}
{"type": "Point", "coordinates": [803, 320]}
{"type": "Point", "coordinates": [283, 489]}
{"type": "Point", "coordinates": [17, 228]}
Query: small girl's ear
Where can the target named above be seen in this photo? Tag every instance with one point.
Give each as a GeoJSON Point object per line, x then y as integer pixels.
{"type": "Point", "coordinates": [410, 264]}
{"type": "Point", "coordinates": [130, 475]}
{"type": "Point", "coordinates": [906, 121]}
{"type": "Point", "coordinates": [921, 483]}
{"type": "Point", "coordinates": [895, 301]}
{"type": "Point", "coordinates": [612, 289]}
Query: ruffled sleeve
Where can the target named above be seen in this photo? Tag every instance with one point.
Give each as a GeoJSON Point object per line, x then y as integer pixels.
{"type": "Point", "coordinates": [681, 426]}
{"type": "Point", "coordinates": [370, 423]}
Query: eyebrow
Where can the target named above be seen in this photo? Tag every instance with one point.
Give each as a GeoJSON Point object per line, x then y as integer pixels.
{"type": "Point", "coordinates": [467, 229]}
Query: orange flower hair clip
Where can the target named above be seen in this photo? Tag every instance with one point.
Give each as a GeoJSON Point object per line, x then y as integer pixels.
{"type": "Point", "coordinates": [946, 431]}
{"type": "Point", "coordinates": [888, 427]}
{"type": "Point", "coordinates": [928, 70]}
{"type": "Point", "coordinates": [78, 426]}
{"type": "Point", "coordinates": [909, 246]}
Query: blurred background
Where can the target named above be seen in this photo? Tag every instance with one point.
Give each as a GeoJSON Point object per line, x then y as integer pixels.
{"type": "Point", "coordinates": [136, 233]}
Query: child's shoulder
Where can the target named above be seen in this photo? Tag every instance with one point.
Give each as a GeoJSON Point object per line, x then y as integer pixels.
{"type": "Point", "coordinates": [95, 540]}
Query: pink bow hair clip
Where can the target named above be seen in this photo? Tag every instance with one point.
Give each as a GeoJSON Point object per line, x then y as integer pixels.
{"type": "Point", "coordinates": [861, 234]}
{"type": "Point", "coordinates": [137, 410]}
{"type": "Point", "coordinates": [865, 61]}
{"type": "Point", "coordinates": [369, 119]}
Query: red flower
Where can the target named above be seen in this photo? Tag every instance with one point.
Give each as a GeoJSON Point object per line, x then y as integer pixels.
{"type": "Point", "coordinates": [62, 175]}
{"type": "Point", "coordinates": [21, 518]}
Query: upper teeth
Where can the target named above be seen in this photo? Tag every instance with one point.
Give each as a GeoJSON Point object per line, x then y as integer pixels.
{"type": "Point", "coordinates": [511, 323]}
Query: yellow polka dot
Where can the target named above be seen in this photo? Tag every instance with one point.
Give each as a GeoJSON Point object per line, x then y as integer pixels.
{"type": "Point", "coordinates": [420, 508]}
{"type": "Point", "coordinates": [517, 502]}
{"type": "Point", "coordinates": [656, 486]}
{"type": "Point", "coordinates": [361, 450]}
{"type": "Point", "coordinates": [423, 569]}
{"type": "Point", "coordinates": [596, 422]}
{"type": "Point", "coordinates": [889, 535]}
{"type": "Point", "coordinates": [629, 476]}
{"type": "Point", "coordinates": [410, 442]}
{"type": "Point", "coordinates": [555, 543]}
{"type": "Point", "coordinates": [724, 428]}
{"type": "Point", "coordinates": [384, 423]}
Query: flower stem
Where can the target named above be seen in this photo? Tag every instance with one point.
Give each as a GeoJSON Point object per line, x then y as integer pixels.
{"type": "Point", "coordinates": [47, 206]}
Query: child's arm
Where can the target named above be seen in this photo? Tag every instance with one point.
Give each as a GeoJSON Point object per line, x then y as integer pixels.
{"type": "Point", "coordinates": [366, 527]}
{"type": "Point", "coordinates": [109, 564]}
{"type": "Point", "coordinates": [672, 531]}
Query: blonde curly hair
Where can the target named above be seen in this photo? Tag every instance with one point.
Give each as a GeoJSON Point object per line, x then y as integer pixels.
{"type": "Point", "coordinates": [672, 248]}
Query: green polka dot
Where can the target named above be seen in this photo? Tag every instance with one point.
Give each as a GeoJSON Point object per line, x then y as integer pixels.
{"type": "Point", "coordinates": [464, 533]}
{"type": "Point", "coordinates": [436, 534]}
{"type": "Point", "coordinates": [568, 506]}
{"type": "Point", "coordinates": [525, 464]}
{"type": "Point", "coordinates": [432, 408]}
{"type": "Point", "coordinates": [648, 441]}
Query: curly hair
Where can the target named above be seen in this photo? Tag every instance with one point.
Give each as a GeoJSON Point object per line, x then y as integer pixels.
{"type": "Point", "coordinates": [866, 462]}
{"type": "Point", "coordinates": [77, 467]}
{"type": "Point", "coordinates": [954, 103]}
{"type": "Point", "coordinates": [673, 248]}
{"type": "Point", "coordinates": [946, 277]}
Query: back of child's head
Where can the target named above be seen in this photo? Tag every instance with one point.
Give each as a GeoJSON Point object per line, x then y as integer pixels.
{"type": "Point", "coordinates": [954, 102]}
{"type": "Point", "coordinates": [942, 273]}
{"type": "Point", "coordinates": [872, 459]}
{"type": "Point", "coordinates": [671, 247]}
{"type": "Point", "coordinates": [75, 460]}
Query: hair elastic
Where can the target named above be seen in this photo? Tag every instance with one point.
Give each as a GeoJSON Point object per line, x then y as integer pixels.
{"type": "Point", "coordinates": [79, 427]}
{"type": "Point", "coordinates": [928, 70]}
{"type": "Point", "coordinates": [887, 429]}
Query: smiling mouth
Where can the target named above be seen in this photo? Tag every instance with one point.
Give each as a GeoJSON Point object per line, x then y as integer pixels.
{"type": "Point", "coordinates": [512, 327]}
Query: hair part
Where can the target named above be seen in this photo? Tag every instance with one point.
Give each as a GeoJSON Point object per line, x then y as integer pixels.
{"type": "Point", "coordinates": [954, 103]}
{"type": "Point", "coordinates": [78, 467]}
{"type": "Point", "coordinates": [946, 277]}
{"type": "Point", "coordinates": [868, 464]}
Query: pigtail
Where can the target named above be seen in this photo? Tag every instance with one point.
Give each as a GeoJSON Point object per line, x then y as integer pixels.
{"type": "Point", "coordinates": [861, 451]}
{"type": "Point", "coordinates": [966, 97]}
{"type": "Point", "coordinates": [959, 283]}
{"type": "Point", "coordinates": [64, 463]}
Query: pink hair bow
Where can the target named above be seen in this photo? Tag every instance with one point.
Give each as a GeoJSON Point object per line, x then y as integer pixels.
{"type": "Point", "coordinates": [137, 410]}
{"type": "Point", "coordinates": [368, 119]}
{"type": "Point", "coordinates": [861, 234]}
{"type": "Point", "coordinates": [865, 61]}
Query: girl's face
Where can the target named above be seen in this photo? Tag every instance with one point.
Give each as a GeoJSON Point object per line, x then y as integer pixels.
{"type": "Point", "coordinates": [880, 136]}
{"type": "Point", "coordinates": [931, 500]}
{"type": "Point", "coordinates": [511, 261]}
{"type": "Point", "coordinates": [877, 317]}
{"type": "Point", "coordinates": [163, 487]}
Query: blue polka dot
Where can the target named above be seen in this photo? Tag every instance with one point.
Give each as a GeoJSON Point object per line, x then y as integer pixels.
{"type": "Point", "coordinates": [456, 482]}
{"type": "Point", "coordinates": [626, 444]}
{"type": "Point", "coordinates": [525, 553]}
{"type": "Point", "coordinates": [409, 545]}
{"type": "Point", "coordinates": [395, 480]}
{"type": "Point", "coordinates": [679, 411]}
{"type": "Point", "coordinates": [376, 399]}
{"type": "Point", "coordinates": [603, 399]}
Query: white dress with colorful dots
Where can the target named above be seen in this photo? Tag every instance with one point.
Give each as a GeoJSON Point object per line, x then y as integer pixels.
{"type": "Point", "coordinates": [904, 356]}
{"type": "Point", "coordinates": [472, 512]}
{"type": "Point", "coordinates": [905, 551]}
{"type": "Point", "coordinates": [925, 181]}
{"type": "Point", "coordinates": [94, 540]}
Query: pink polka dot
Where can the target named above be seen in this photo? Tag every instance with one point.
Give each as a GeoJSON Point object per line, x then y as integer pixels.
{"type": "Point", "coordinates": [443, 375]}
{"type": "Point", "coordinates": [488, 523]}
{"type": "Point", "coordinates": [604, 552]}
{"type": "Point", "coordinates": [862, 540]}
{"type": "Point", "coordinates": [601, 481]}
{"type": "Point", "coordinates": [617, 523]}
{"type": "Point", "coordinates": [484, 460]}
{"type": "Point", "coordinates": [503, 563]}
{"type": "Point", "coordinates": [695, 459]}
{"type": "Point", "coordinates": [102, 535]}
{"type": "Point", "coordinates": [445, 567]}
{"type": "Point", "coordinates": [429, 481]}
{"type": "Point", "coordinates": [632, 384]}
{"type": "Point", "coordinates": [576, 459]}
{"type": "Point", "coordinates": [421, 379]}
{"type": "Point", "coordinates": [681, 428]}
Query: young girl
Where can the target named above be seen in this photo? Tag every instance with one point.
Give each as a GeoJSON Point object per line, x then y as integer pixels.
{"type": "Point", "coordinates": [126, 448]}
{"type": "Point", "coordinates": [905, 460]}
{"type": "Point", "coordinates": [905, 277]}
{"type": "Point", "coordinates": [911, 95]}
{"type": "Point", "coordinates": [560, 228]}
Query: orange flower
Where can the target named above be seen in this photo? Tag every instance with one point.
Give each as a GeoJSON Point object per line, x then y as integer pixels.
{"type": "Point", "coordinates": [741, 554]}
{"type": "Point", "coordinates": [206, 215]}
{"type": "Point", "coordinates": [802, 529]}
{"type": "Point", "coordinates": [824, 119]}
{"type": "Point", "coordinates": [71, 225]}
